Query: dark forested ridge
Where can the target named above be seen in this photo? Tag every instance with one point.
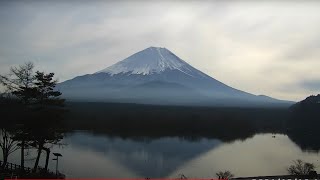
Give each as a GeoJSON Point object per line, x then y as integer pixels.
{"type": "Point", "coordinates": [165, 120]}
{"type": "Point", "coordinates": [152, 120]}
{"type": "Point", "coordinates": [305, 114]}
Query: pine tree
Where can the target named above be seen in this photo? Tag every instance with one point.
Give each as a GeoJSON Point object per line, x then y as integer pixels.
{"type": "Point", "coordinates": [48, 115]}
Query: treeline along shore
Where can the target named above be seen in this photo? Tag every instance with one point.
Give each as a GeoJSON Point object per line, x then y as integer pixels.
{"type": "Point", "coordinates": [137, 120]}
{"type": "Point", "coordinates": [156, 121]}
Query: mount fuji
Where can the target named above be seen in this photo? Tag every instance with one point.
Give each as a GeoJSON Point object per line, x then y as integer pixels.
{"type": "Point", "coordinates": [157, 76]}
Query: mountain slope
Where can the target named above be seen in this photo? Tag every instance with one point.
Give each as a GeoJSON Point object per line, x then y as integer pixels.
{"type": "Point", "coordinates": [131, 80]}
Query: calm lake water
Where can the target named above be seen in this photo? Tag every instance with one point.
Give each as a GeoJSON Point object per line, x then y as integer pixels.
{"type": "Point", "coordinates": [99, 156]}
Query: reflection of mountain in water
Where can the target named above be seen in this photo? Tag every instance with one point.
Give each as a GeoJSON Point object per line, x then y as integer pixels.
{"type": "Point", "coordinates": [157, 158]}
{"type": "Point", "coordinates": [101, 156]}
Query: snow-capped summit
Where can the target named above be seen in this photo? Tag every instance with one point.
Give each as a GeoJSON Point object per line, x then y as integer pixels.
{"type": "Point", "coordinates": [149, 61]}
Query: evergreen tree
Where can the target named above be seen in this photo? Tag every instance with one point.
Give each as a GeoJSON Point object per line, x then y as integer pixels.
{"type": "Point", "coordinates": [47, 121]}
{"type": "Point", "coordinates": [40, 124]}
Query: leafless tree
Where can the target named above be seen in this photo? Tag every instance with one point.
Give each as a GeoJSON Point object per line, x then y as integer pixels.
{"type": "Point", "coordinates": [8, 144]}
{"type": "Point", "coordinates": [224, 175]}
{"type": "Point", "coordinates": [300, 168]}
{"type": "Point", "coordinates": [19, 83]}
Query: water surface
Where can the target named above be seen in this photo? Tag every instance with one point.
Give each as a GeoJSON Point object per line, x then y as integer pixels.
{"type": "Point", "coordinates": [102, 156]}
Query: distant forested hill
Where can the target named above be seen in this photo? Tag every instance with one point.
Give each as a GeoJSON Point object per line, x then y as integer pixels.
{"type": "Point", "coordinates": [303, 125]}
{"type": "Point", "coordinates": [305, 114]}
{"type": "Point", "coordinates": [310, 103]}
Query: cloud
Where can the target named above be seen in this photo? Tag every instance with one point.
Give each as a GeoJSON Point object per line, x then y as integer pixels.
{"type": "Point", "coordinates": [253, 46]}
{"type": "Point", "coordinates": [311, 85]}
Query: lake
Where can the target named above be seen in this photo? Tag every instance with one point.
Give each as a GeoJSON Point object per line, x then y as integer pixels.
{"type": "Point", "coordinates": [88, 155]}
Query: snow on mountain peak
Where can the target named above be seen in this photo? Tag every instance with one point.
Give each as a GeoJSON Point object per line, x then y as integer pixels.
{"type": "Point", "coordinates": [149, 61]}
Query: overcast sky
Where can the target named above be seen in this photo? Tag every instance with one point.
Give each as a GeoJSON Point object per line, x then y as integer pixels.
{"type": "Point", "coordinates": [270, 48]}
